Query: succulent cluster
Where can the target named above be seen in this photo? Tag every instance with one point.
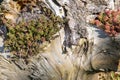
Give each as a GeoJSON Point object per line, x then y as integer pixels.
{"type": "Point", "coordinates": [115, 76]}
{"type": "Point", "coordinates": [109, 21]}
{"type": "Point", "coordinates": [24, 38]}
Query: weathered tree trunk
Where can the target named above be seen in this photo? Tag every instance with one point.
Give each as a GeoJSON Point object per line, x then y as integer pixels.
{"type": "Point", "coordinates": [80, 52]}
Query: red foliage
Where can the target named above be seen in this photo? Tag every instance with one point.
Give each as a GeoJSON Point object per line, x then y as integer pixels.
{"type": "Point", "coordinates": [107, 12]}
{"type": "Point", "coordinates": [107, 27]}
{"type": "Point", "coordinates": [109, 21]}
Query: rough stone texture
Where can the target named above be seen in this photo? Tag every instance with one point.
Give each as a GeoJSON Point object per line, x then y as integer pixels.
{"type": "Point", "coordinates": [9, 71]}
{"type": "Point", "coordinates": [88, 49]}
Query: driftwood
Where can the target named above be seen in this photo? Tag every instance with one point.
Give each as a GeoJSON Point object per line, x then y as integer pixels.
{"type": "Point", "coordinates": [80, 52]}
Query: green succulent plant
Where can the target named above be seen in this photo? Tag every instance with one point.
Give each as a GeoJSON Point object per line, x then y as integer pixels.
{"type": "Point", "coordinates": [115, 76]}
{"type": "Point", "coordinates": [24, 38]}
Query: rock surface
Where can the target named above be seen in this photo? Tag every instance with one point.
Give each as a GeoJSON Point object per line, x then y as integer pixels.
{"type": "Point", "coordinates": [80, 52]}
